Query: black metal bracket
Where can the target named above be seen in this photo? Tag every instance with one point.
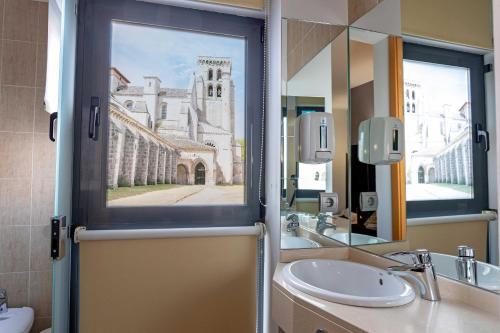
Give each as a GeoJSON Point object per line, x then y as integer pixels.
{"type": "Point", "coordinates": [57, 237]}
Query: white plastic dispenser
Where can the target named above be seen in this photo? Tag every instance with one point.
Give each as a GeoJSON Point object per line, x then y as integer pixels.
{"type": "Point", "coordinates": [381, 141]}
{"type": "Point", "coordinates": [314, 138]}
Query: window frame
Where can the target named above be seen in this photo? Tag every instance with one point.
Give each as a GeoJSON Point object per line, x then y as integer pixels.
{"type": "Point", "coordinates": [90, 164]}
{"type": "Point", "coordinates": [474, 62]}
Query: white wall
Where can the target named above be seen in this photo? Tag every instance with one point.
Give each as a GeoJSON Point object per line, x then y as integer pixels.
{"type": "Point", "coordinates": [381, 109]}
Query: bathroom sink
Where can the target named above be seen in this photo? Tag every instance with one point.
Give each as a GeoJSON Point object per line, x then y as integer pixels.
{"type": "Point", "coordinates": [291, 242]}
{"type": "Point", "coordinates": [488, 276]}
{"type": "Point", "coordinates": [348, 283]}
{"type": "Point", "coordinates": [356, 239]}
{"type": "Point", "coordinates": [19, 320]}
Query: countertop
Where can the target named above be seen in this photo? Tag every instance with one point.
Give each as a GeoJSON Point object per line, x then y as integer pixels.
{"type": "Point", "coordinates": [420, 316]}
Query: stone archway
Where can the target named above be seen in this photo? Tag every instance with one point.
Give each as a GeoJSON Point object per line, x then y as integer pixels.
{"type": "Point", "coordinates": [421, 175]}
{"type": "Point", "coordinates": [431, 178]}
{"type": "Point", "coordinates": [199, 174]}
{"type": "Point", "coordinates": [182, 174]}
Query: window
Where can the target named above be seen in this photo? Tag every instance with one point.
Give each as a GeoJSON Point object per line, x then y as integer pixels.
{"type": "Point", "coordinates": [154, 173]}
{"type": "Point", "coordinates": [164, 111]}
{"type": "Point", "coordinates": [445, 169]}
{"type": "Point", "coordinates": [219, 74]}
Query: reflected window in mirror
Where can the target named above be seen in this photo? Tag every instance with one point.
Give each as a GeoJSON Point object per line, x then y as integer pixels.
{"type": "Point", "coordinates": [444, 97]}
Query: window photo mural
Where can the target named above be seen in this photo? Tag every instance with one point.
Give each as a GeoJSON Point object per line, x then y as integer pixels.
{"type": "Point", "coordinates": [176, 118]}
{"type": "Point", "coordinates": [438, 132]}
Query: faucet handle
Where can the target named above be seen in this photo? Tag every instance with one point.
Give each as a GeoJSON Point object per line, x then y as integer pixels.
{"type": "Point", "coordinates": [3, 294]}
{"type": "Point", "coordinates": [465, 251]}
{"type": "Point", "coordinates": [419, 256]}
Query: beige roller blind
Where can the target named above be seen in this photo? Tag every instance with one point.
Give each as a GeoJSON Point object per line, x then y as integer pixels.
{"type": "Point", "coordinates": [466, 22]}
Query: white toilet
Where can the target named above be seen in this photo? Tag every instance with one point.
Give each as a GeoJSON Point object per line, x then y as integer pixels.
{"type": "Point", "coordinates": [17, 320]}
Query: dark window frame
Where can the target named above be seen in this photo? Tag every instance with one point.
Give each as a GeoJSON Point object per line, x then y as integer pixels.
{"type": "Point", "coordinates": [93, 62]}
{"type": "Point", "coordinates": [474, 63]}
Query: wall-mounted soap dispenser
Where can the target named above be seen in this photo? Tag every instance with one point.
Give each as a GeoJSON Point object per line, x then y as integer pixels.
{"type": "Point", "coordinates": [314, 138]}
{"type": "Point", "coordinates": [381, 141]}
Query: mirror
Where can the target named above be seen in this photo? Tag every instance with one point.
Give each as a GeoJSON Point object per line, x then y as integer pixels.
{"type": "Point", "coordinates": [445, 96]}
{"type": "Point", "coordinates": [377, 139]}
{"type": "Point", "coordinates": [314, 135]}
{"type": "Point", "coordinates": [435, 197]}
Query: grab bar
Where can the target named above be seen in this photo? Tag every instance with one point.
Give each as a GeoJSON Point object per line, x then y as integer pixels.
{"type": "Point", "coordinates": [487, 215]}
{"type": "Point", "coordinates": [82, 234]}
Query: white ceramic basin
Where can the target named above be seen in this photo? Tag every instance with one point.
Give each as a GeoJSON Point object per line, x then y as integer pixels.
{"type": "Point", "coordinates": [291, 242]}
{"type": "Point", "coordinates": [356, 239]}
{"type": "Point", "coordinates": [348, 283]}
{"type": "Point", "coordinates": [16, 320]}
{"type": "Point", "coordinates": [488, 276]}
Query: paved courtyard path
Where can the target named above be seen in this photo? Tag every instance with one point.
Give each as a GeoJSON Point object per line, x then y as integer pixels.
{"type": "Point", "coordinates": [433, 192]}
{"type": "Point", "coordinates": [185, 195]}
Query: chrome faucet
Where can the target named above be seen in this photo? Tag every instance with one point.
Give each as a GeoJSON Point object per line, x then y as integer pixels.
{"type": "Point", "coordinates": [3, 300]}
{"type": "Point", "coordinates": [322, 223]}
{"type": "Point", "coordinates": [293, 223]}
{"type": "Point", "coordinates": [466, 264]}
{"type": "Point", "coordinates": [421, 272]}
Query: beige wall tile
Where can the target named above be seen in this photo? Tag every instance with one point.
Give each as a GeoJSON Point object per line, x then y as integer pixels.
{"type": "Point", "coordinates": [43, 200]}
{"type": "Point", "coordinates": [40, 298]}
{"type": "Point", "coordinates": [16, 285]}
{"type": "Point", "coordinates": [40, 248]}
{"type": "Point", "coordinates": [44, 154]}
{"type": "Point", "coordinates": [2, 6]}
{"type": "Point", "coordinates": [15, 155]}
{"type": "Point", "coordinates": [40, 324]}
{"type": "Point", "coordinates": [15, 201]}
{"type": "Point", "coordinates": [41, 116]}
{"type": "Point", "coordinates": [16, 109]}
{"type": "Point", "coordinates": [43, 22]}
{"type": "Point", "coordinates": [358, 8]}
{"type": "Point", "coordinates": [20, 20]}
{"type": "Point", "coordinates": [15, 242]}
{"type": "Point", "coordinates": [18, 63]}
{"type": "Point", "coordinates": [41, 64]}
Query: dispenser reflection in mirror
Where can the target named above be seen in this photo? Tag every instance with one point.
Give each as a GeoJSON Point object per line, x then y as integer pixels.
{"type": "Point", "coordinates": [314, 135]}
{"type": "Point", "coordinates": [377, 138]}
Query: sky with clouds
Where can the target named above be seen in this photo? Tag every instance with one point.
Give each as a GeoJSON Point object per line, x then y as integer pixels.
{"type": "Point", "coordinates": [171, 54]}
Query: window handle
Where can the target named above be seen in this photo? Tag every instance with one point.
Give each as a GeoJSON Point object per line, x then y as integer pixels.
{"type": "Point", "coordinates": [480, 134]}
{"type": "Point", "coordinates": [52, 123]}
{"type": "Point", "coordinates": [94, 118]}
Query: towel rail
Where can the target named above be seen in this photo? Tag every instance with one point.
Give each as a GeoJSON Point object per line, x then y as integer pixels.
{"type": "Point", "coordinates": [82, 234]}
{"type": "Point", "coordinates": [487, 215]}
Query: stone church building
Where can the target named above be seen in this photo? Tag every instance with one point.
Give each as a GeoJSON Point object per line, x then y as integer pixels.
{"type": "Point", "coordinates": [166, 135]}
{"type": "Point", "coordinates": [439, 140]}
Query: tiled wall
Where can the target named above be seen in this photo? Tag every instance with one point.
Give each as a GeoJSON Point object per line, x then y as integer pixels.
{"type": "Point", "coordinates": [305, 40]}
{"type": "Point", "coordinates": [27, 159]}
{"type": "Point", "coordinates": [358, 8]}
